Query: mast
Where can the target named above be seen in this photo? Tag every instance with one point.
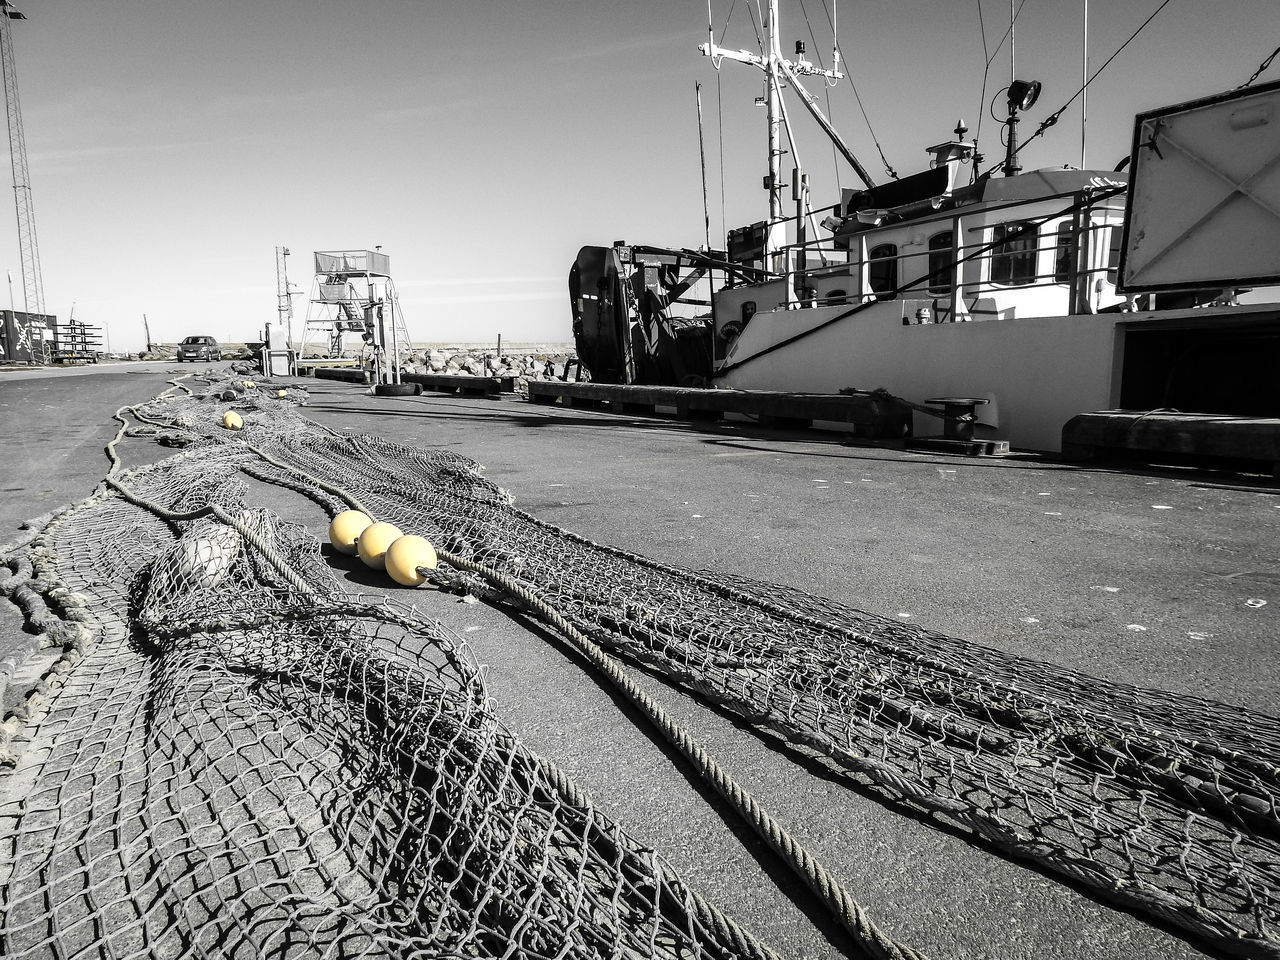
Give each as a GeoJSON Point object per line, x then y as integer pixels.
{"type": "Point", "coordinates": [777, 69]}
{"type": "Point", "coordinates": [773, 102]}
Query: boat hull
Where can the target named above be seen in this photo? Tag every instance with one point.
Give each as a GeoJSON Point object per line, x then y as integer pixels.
{"type": "Point", "coordinates": [1036, 372]}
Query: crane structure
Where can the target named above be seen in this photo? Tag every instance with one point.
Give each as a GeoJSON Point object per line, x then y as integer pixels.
{"type": "Point", "coordinates": [28, 248]}
{"type": "Point", "coordinates": [353, 293]}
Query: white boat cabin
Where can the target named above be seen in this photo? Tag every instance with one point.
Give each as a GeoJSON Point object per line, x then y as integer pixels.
{"type": "Point", "coordinates": [1044, 243]}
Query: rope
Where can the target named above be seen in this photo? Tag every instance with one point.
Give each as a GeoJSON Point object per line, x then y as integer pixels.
{"type": "Point", "coordinates": [814, 873]}
{"type": "Point", "coordinates": [1156, 801]}
{"type": "Point", "coordinates": [847, 911]}
{"type": "Point", "coordinates": [888, 168]}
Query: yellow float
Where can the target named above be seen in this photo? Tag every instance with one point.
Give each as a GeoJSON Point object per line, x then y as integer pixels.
{"type": "Point", "coordinates": [345, 530]}
{"type": "Point", "coordinates": [406, 555]}
{"type": "Point", "coordinates": [231, 420]}
{"type": "Point", "coordinates": [373, 542]}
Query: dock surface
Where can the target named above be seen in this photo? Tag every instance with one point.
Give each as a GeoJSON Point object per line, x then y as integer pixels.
{"type": "Point", "coordinates": [1161, 578]}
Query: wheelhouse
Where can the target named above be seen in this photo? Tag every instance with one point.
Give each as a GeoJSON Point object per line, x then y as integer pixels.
{"type": "Point", "coordinates": [1044, 243]}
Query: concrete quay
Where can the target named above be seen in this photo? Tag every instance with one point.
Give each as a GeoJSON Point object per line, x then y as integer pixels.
{"type": "Point", "coordinates": [1166, 578]}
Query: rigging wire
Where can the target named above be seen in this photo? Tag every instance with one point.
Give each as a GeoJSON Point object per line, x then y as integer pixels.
{"type": "Point", "coordinates": [1261, 69]}
{"type": "Point", "coordinates": [888, 168]}
{"type": "Point", "coordinates": [1053, 118]}
{"type": "Point", "coordinates": [757, 18]}
{"type": "Point", "coordinates": [729, 19]}
{"type": "Point", "coordinates": [1005, 36]}
{"type": "Point", "coordinates": [720, 118]}
{"type": "Point", "coordinates": [982, 98]}
{"type": "Point", "coordinates": [988, 57]}
{"type": "Point", "coordinates": [795, 155]}
{"type": "Point", "coordinates": [835, 154]}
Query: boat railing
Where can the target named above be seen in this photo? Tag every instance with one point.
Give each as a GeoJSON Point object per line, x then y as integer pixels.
{"type": "Point", "coordinates": [1046, 264]}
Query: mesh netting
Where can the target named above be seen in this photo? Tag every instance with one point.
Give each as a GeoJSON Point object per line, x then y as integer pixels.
{"type": "Point", "coordinates": [242, 765]}
{"type": "Point", "coordinates": [253, 703]}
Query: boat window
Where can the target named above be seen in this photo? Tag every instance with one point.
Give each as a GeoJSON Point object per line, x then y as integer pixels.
{"type": "Point", "coordinates": [1013, 258]}
{"type": "Point", "coordinates": [1113, 255]}
{"type": "Point", "coordinates": [882, 270]}
{"type": "Point", "coordinates": [940, 258]}
{"type": "Point", "coordinates": [1065, 253]}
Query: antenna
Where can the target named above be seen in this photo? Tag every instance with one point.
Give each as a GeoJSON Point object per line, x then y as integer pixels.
{"type": "Point", "coordinates": [1084, 81]}
{"type": "Point", "coordinates": [1013, 43]}
{"type": "Point", "coordinates": [778, 69]}
{"type": "Point", "coordinates": [32, 285]}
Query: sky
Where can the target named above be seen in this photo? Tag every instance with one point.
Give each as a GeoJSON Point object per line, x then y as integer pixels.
{"type": "Point", "coordinates": [174, 144]}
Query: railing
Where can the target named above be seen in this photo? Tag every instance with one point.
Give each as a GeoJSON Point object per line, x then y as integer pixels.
{"type": "Point", "coordinates": [339, 262]}
{"type": "Point", "coordinates": [1064, 261]}
{"type": "Point", "coordinates": [992, 216]}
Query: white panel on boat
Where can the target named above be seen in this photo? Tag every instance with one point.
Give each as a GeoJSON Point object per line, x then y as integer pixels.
{"type": "Point", "coordinates": [1204, 198]}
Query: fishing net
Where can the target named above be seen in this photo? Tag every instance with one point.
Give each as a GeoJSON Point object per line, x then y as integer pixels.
{"type": "Point", "coordinates": [1164, 803]}
{"type": "Point", "coordinates": [241, 759]}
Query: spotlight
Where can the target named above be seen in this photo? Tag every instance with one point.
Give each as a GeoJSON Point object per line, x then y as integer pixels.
{"type": "Point", "coordinates": [1023, 94]}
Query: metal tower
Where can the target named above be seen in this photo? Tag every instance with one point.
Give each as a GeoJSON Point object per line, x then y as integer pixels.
{"type": "Point", "coordinates": [32, 286]}
{"type": "Point", "coordinates": [353, 293]}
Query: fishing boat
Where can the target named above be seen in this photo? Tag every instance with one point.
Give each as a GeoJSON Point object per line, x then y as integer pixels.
{"type": "Point", "coordinates": [1049, 308]}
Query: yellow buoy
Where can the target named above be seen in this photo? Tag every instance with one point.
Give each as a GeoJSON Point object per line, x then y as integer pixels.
{"type": "Point", "coordinates": [406, 555]}
{"type": "Point", "coordinates": [282, 393]}
{"type": "Point", "coordinates": [373, 542]}
{"type": "Point", "coordinates": [345, 530]}
{"type": "Point", "coordinates": [249, 385]}
{"type": "Point", "coordinates": [231, 420]}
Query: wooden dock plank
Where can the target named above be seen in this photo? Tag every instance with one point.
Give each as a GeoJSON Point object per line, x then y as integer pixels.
{"type": "Point", "coordinates": [873, 417]}
{"type": "Point", "coordinates": [459, 383]}
{"type": "Point", "coordinates": [1184, 434]}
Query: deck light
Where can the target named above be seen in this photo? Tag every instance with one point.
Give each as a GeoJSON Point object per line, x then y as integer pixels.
{"type": "Point", "coordinates": [1023, 94]}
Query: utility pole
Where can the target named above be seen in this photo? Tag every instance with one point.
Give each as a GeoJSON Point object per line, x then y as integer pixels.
{"type": "Point", "coordinates": [32, 285]}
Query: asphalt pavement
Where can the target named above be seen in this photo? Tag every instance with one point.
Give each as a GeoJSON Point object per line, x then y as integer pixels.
{"type": "Point", "coordinates": [1167, 578]}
